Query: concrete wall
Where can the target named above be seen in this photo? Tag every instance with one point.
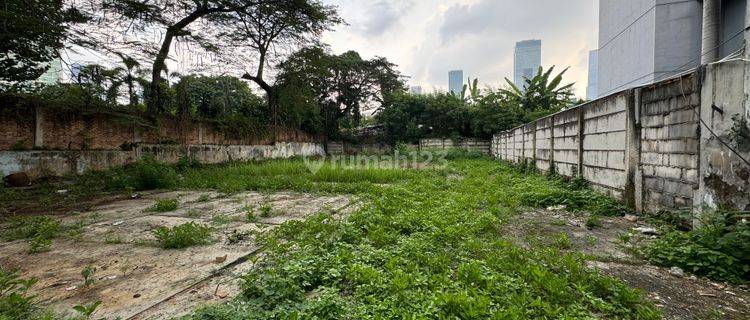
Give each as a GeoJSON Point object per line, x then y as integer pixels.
{"type": "Point", "coordinates": [469, 144]}
{"type": "Point", "coordinates": [340, 147]}
{"type": "Point", "coordinates": [39, 164]}
{"type": "Point", "coordinates": [723, 176]}
{"type": "Point", "coordinates": [663, 146]}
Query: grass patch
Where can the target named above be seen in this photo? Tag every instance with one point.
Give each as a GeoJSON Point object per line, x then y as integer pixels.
{"type": "Point", "coordinates": [164, 205]}
{"type": "Point", "coordinates": [183, 236]}
{"type": "Point", "coordinates": [593, 222]}
{"type": "Point", "coordinates": [425, 247]}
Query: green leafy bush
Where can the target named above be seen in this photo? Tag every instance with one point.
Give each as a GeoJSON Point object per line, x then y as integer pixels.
{"type": "Point", "coordinates": [574, 200]}
{"type": "Point", "coordinates": [719, 249]}
{"type": "Point", "coordinates": [33, 227]}
{"type": "Point", "coordinates": [593, 222]}
{"type": "Point", "coordinates": [15, 301]}
{"type": "Point", "coordinates": [164, 205]}
{"type": "Point", "coordinates": [146, 174]}
{"type": "Point", "coordinates": [183, 236]}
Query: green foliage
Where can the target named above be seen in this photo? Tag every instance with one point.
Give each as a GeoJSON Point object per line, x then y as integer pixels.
{"type": "Point", "coordinates": [32, 33]}
{"type": "Point", "coordinates": [266, 210]}
{"type": "Point", "coordinates": [88, 275]}
{"type": "Point", "coordinates": [480, 114]}
{"type": "Point", "coordinates": [719, 249]}
{"type": "Point", "coordinates": [593, 222]}
{"type": "Point", "coordinates": [576, 200]}
{"type": "Point", "coordinates": [87, 311]}
{"type": "Point", "coordinates": [33, 227]}
{"type": "Point", "coordinates": [183, 236]}
{"type": "Point", "coordinates": [164, 205]}
{"type": "Point", "coordinates": [338, 87]}
{"type": "Point", "coordinates": [541, 93]}
{"type": "Point", "coordinates": [579, 183]}
{"type": "Point", "coordinates": [15, 301]}
{"type": "Point", "coordinates": [426, 248]}
{"type": "Point", "coordinates": [147, 174]}
{"type": "Point", "coordinates": [39, 244]}
{"type": "Point", "coordinates": [19, 145]}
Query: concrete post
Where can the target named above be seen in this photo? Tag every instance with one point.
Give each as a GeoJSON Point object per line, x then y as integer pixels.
{"type": "Point", "coordinates": [552, 140]}
{"type": "Point", "coordinates": [633, 194]}
{"type": "Point", "coordinates": [580, 140]}
{"type": "Point", "coordinates": [534, 126]}
{"type": "Point", "coordinates": [38, 127]}
{"type": "Point", "coordinates": [711, 26]}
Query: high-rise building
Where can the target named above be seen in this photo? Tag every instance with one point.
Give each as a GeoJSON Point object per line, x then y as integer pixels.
{"type": "Point", "coordinates": [526, 61]}
{"type": "Point", "coordinates": [456, 81]}
{"type": "Point", "coordinates": [646, 41]}
{"type": "Point", "coordinates": [591, 92]}
{"type": "Point", "coordinates": [416, 90]}
{"type": "Point", "coordinates": [53, 73]}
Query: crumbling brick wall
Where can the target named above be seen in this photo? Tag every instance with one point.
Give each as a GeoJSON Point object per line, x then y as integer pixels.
{"type": "Point", "coordinates": [74, 130]}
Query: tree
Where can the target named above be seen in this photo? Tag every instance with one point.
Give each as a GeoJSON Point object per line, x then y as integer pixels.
{"type": "Point", "coordinates": [341, 85]}
{"type": "Point", "coordinates": [175, 17]}
{"type": "Point", "coordinates": [540, 94]}
{"type": "Point", "coordinates": [218, 96]}
{"type": "Point", "coordinates": [32, 33]}
{"type": "Point", "coordinates": [270, 28]}
{"type": "Point", "coordinates": [129, 75]}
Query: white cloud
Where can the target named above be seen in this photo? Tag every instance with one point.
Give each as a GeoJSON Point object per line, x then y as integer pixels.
{"type": "Point", "coordinates": [427, 38]}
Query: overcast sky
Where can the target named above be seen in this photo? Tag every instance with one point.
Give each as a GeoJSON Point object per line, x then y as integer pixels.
{"type": "Point", "coordinates": [428, 38]}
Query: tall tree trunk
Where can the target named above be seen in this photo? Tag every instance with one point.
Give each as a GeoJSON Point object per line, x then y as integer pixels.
{"type": "Point", "coordinates": [154, 102]}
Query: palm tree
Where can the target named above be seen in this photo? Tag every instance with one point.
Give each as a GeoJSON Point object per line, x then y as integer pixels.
{"type": "Point", "coordinates": [539, 93]}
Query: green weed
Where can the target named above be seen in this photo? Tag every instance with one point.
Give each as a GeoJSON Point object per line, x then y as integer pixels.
{"type": "Point", "coordinates": [164, 205]}
{"type": "Point", "coordinates": [719, 249]}
{"type": "Point", "coordinates": [15, 301]}
{"type": "Point", "coordinates": [426, 248]}
{"type": "Point", "coordinates": [593, 222]}
{"type": "Point", "coordinates": [88, 275]}
{"type": "Point", "coordinates": [183, 236]}
{"type": "Point", "coordinates": [266, 210]}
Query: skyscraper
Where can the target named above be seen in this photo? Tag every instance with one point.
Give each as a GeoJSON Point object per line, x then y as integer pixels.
{"type": "Point", "coordinates": [456, 81]}
{"type": "Point", "coordinates": [416, 90]}
{"type": "Point", "coordinates": [591, 91]}
{"type": "Point", "coordinates": [526, 61]}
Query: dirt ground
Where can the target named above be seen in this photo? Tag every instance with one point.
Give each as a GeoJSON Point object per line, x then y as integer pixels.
{"type": "Point", "coordinates": [134, 277]}
{"type": "Point", "coordinates": [680, 296]}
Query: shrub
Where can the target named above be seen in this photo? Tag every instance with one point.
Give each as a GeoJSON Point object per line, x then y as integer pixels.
{"type": "Point", "coordinates": [164, 205]}
{"type": "Point", "coordinates": [574, 200]}
{"type": "Point", "coordinates": [15, 302]}
{"type": "Point", "coordinates": [183, 236]}
{"type": "Point", "coordinates": [593, 222]}
{"type": "Point", "coordinates": [719, 249]}
{"type": "Point", "coordinates": [33, 227]}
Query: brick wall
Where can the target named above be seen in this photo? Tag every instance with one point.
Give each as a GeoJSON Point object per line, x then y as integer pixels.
{"type": "Point", "coordinates": [55, 130]}
{"type": "Point", "coordinates": [16, 132]}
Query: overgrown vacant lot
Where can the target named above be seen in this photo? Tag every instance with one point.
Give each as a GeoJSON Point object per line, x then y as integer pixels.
{"type": "Point", "coordinates": [431, 243]}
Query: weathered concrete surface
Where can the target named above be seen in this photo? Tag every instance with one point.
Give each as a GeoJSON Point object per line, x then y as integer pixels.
{"type": "Point", "coordinates": [137, 279]}
{"type": "Point", "coordinates": [482, 146]}
{"type": "Point", "coordinates": [39, 164]}
{"type": "Point", "coordinates": [724, 176]}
